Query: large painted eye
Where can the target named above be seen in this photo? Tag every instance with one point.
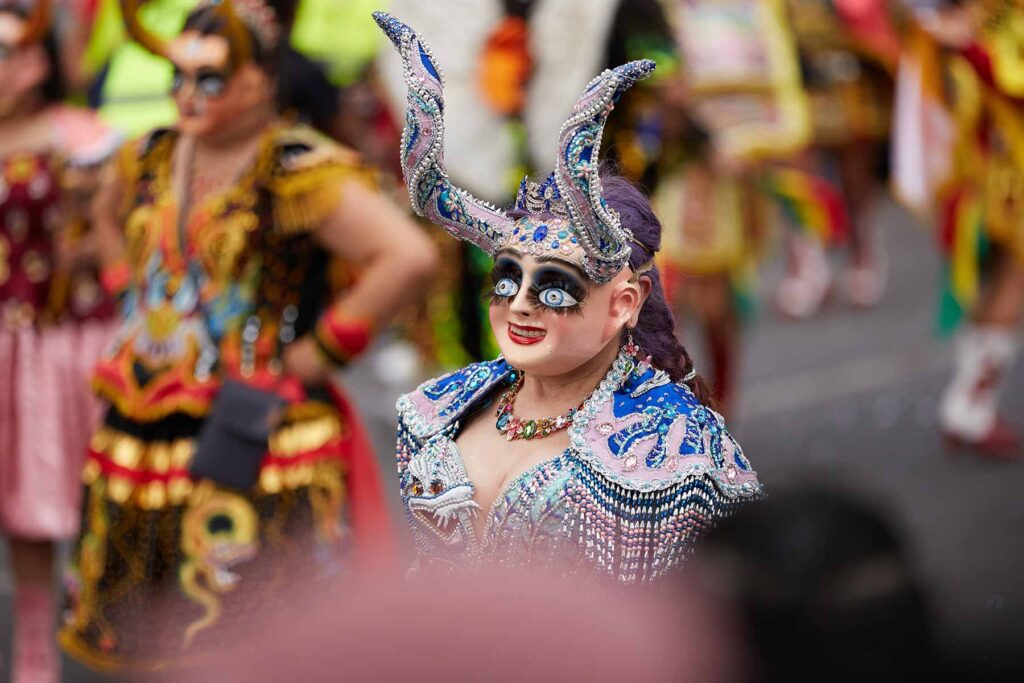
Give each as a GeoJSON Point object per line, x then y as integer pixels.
{"type": "Point", "coordinates": [177, 81]}
{"type": "Point", "coordinates": [555, 297]}
{"type": "Point", "coordinates": [211, 83]}
{"type": "Point", "coordinates": [506, 287]}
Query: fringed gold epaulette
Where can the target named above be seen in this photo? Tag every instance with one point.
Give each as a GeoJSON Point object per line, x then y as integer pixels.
{"type": "Point", "coordinates": [140, 157]}
{"type": "Point", "coordinates": [306, 174]}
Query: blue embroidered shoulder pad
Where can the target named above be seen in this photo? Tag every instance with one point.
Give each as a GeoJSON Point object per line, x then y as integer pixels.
{"type": "Point", "coordinates": [638, 429]}
{"type": "Point", "coordinates": [439, 402]}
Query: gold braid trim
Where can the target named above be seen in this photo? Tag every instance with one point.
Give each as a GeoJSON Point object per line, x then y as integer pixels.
{"type": "Point", "coordinates": [170, 461]}
{"type": "Point", "coordinates": [307, 173]}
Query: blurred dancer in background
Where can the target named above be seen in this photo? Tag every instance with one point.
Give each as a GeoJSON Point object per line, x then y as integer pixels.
{"type": "Point", "coordinates": [219, 234]}
{"type": "Point", "coordinates": [848, 51]}
{"type": "Point", "coordinates": [343, 37]}
{"type": "Point", "coordinates": [630, 466]}
{"type": "Point", "coordinates": [128, 85]}
{"type": "Point", "coordinates": [736, 110]}
{"type": "Point", "coordinates": [54, 318]}
{"type": "Point", "coordinates": [981, 225]}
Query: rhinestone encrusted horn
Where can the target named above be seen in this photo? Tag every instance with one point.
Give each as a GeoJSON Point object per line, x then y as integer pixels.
{"type": "Point", "coordinates": [433, 196]}
{"type": "Point", "coordinates": [605, 242]}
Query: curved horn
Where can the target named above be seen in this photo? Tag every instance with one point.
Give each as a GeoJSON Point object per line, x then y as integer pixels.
{"type": "Point", "coordinates": [236, 32]}
{"type": "Point", "coordinates": [605, 242]}
{"type": "Point", "coordinates": [130, 15]}
{"type": "Point", "coordinates": [433, 196]}
{"type": "Point", "coordinates": [36, 24]}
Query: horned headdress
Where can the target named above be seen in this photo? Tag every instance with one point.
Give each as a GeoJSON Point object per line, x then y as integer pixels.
{"type": "Point", "coordinates": [573, 191]}
{"type": "Point", "coordinates": [239, 16]}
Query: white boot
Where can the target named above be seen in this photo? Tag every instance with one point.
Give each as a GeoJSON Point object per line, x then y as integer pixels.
{"type": "Point", "coordinates": [866, 283]}
{"type": "Point", "coordinates": [806, 286]}
{"type": "Point", "coordinates": [969, 408]}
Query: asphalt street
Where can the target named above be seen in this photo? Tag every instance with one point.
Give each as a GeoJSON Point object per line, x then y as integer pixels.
{"type": "Point", "coordinates": [847, 400]}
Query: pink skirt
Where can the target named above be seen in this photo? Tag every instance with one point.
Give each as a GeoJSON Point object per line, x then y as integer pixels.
{"type": "Point", "coordinates": [47, 414]}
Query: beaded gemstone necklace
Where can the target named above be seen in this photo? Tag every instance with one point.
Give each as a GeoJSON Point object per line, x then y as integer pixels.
{"type": "Point", "coordinates": [515, 428]}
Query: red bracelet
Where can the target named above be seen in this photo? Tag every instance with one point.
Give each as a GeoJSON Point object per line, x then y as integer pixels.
{"type": "Point", "coordinates": [341, 338]}
{"type": "Point", "coordinates": [115, 278]}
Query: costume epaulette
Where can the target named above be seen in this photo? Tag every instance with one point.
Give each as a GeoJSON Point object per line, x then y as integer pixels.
{"type": "Point", "coordinates": [149, 142]}
{"type": "Point", "coordinates": [439, 402]}
{"type": "Point", "coordinates": [304, 174]}
{"type": "Point", "coordinates": [652, 433]}
{"type": "Point", "coordinates": [299, 148]}
{"type": "Point", "coordinates": [639, 430]}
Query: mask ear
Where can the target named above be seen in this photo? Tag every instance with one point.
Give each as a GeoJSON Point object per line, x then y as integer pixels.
{"type": "Point", "coordinates": [626, 301]}
{"type": "Point", "coordinates": [645, 285]}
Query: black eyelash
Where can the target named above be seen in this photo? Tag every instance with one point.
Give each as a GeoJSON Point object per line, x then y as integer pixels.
{"type": "Point", "coordinates": [533, 296]}
{"type": "Point", "coordinates": [494, 297]}
{"type": "Point", "coordinates": [497, 299]}
{"type": "Point", "coordinates": [500, 272]}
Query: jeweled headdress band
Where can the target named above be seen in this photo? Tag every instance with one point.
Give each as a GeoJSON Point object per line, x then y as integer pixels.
{"type": "Point", "coordinates": [572, 191]}
{"type": "Point", "coordinates": [261, 18]}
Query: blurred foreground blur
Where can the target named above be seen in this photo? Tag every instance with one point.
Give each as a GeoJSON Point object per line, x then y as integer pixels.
{"type": "Point", "coordinates": [843, 401]}
{"type": "Point", "coordinates": [881, 553]}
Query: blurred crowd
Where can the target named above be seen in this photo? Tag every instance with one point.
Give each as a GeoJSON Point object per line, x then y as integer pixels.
{"type": "Point", "coordinates": [769, 127]}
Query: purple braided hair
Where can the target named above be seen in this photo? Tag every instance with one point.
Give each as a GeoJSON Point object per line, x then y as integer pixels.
{"type": "Point", "coordinates": [655, 328]}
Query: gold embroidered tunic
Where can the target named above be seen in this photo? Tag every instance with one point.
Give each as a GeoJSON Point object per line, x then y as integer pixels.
{"type": "Point", "coordinates": [247, 279]}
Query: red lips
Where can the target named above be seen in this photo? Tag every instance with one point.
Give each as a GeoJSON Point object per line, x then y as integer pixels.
{"type": "Point", "coordinates": [525, 336]}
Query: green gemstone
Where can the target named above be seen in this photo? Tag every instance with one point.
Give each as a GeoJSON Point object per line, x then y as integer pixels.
{"type": "Point", "coordinates": [529, 429]}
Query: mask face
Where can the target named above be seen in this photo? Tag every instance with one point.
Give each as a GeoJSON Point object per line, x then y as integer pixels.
{"type": "Point", "coordinates": [209, 94]}
{"type": "Point", "coordinates": [550, 319]}
{"type": "Point", "coordinates": [22, 69]}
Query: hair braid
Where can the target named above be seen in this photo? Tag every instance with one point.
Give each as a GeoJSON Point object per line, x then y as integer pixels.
{"type": "Point", "coordinates": [655, 328]}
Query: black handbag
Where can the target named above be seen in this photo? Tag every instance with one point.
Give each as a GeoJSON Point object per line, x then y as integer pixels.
{"type": "Point", "coordinates": [235, 437]}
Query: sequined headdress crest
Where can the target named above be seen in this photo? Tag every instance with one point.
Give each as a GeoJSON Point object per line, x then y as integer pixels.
{"type": "Point", "coordinates": [573, 191]}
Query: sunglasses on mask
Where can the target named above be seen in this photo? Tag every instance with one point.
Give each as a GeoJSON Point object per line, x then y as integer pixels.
{"type": "Point", "coordinates": [208, 82]}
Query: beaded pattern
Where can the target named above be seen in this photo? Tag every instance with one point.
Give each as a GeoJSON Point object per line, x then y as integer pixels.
{"type": "Point", "coordinates": [572, 192]}
{"type": "Point", "coordinates": [649, 469]}
{"type": "Point", "coordinates": [553, 237]}
{"type": "Point", "coordinates": [432, 195]}
{"type": "Point", "coordinates": [577, 171]}
{"type": "Point", "coordinates": [514, 427]}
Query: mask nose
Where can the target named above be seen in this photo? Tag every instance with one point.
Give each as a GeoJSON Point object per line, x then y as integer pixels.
{"type": "Point", "coordinates": [520, 305]}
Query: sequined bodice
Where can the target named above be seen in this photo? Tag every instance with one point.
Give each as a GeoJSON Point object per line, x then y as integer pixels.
{"type": "Point", "coordinates": [220, 295]}
{"type": "Point", "coordinates": [32, 289]}
{"type": "Point", "coordinates": [29, 219]}
{"type": "Point", "coordinates": [648, 470]}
